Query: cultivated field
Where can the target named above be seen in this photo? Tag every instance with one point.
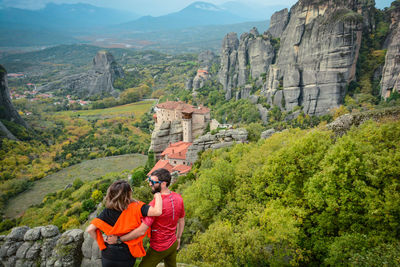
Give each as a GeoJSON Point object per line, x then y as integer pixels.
{"type": "Point", "coordinates": [134, 109]}
{"type": "Point", "coordinates": [86, 171]}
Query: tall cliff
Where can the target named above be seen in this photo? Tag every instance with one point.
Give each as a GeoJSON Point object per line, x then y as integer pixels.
{"type": "Point", "coordinates": [318, 54]}
{"type": "Point", "coordinates": [278, 23]}
{"type": "Point", "coordinates": [391, 72]}
{"type": "Point", "coordinates": [244, 60]}
{"type": "Point", "coordinates": [7, 109]}
{"type": "Point", "coordinates": [307, 57]}
{"type": "Point", "coordinates": [98, 80]}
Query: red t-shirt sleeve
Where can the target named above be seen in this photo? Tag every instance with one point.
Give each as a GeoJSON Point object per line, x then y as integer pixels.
{"type": "Point", "coordinates": [149, 219]}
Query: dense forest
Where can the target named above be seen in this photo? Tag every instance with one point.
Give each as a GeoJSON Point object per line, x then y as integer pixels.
{"type": "Point", "coordinates": [301, 197]}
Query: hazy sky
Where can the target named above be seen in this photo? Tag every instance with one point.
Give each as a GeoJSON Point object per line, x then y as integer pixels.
{"type": "Point", "coordinates": [150, 7]}
{"type": "Point", "coordinates": [143, 7]}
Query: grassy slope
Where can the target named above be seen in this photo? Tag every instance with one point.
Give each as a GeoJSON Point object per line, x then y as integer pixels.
{"type": "Point", "coordinates": [86, 171]}
{"type": "Point", "coordinates": [137, 109]}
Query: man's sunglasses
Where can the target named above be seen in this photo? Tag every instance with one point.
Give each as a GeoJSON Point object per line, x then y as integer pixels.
{"type": "Point", "coordinates": [152, 181]}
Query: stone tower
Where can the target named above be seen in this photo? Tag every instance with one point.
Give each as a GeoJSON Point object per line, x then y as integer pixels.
{"type": "Point", "coordinates": [187, 126]}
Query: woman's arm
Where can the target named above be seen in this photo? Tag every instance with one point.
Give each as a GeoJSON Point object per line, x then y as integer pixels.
{"type": "Point", "coordinates": [91, 229]}
{"type": "Point", "coordinates": [157, 209]}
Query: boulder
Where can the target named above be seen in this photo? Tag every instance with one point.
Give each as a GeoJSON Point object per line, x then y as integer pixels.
{"type": "Point", "coordinates": [33, 234]}
{"type": "Point", "coordinates": [17, 233]}
{"type": "Point", "coordinates": [267, 133]}
{"type": "Point", "coordinates": [49, 231]}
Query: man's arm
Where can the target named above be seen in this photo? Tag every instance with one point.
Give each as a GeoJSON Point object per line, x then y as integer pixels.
{"type": "Point", "coordinates": [141, 230]}
{"type": "Point", "coordinates": [157, 209]}
{"type": "Point", "coordinates": [179, 230]}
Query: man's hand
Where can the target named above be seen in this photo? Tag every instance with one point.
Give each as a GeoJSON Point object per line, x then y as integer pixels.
{"type": "Point", "coordinates": [179, 243]}
{"type": "Point", "coordinates": [111, 239]}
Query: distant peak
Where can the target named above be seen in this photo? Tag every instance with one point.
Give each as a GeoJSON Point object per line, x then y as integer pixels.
{"type": "Point", "coordinates": [204, 6]}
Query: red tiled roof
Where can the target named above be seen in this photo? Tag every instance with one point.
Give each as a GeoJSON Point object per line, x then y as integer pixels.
{"type": "Point", "coordinates": [182, 106]}
{"type": "Point", "coordinates": [165, 164]}
{"type": "Point", "coordinates": [182, 169]}
{"type": "Point", "coordinates": [176, 150]}
{"type": "Point", "coordinates": [161, 164]}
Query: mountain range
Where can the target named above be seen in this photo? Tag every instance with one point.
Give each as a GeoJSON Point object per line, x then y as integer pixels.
{"type": "Point", "coordinates": [84, 23]}
{"type": "Point", "coordinates": [196, 14]}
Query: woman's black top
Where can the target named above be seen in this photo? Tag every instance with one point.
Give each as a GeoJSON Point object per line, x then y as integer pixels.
{"type": "Point", "coordinates": [117, 251]}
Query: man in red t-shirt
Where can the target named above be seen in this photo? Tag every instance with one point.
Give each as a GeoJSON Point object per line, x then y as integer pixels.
{"type": "Point", "coordinates": [166, 229]}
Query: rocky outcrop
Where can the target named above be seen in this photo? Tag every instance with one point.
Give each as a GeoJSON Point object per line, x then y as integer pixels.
{"type": "Point", "coordinates": [41, 246]}
{"type": "Point", "coordinates": [268, 133]}
{"type": "Point", "coordinates": [245, 60]}
{"type": "Point", "coordinates": [391, 71]}
{"type": "Point", "coordinates": [98, 80]}
{"type": "Point", "coordinates": [7, 109]}
{"type": "Point", "coordinates": [168, 133]}
{"type": "Point", "coordinates": [278, 23]}
{"type": "Point", "coordinates": [223, 138]}
{"type": "Point", "coordinates": [45, 246]}
{"type": "Point", "coordinates": [200, 79]}
{"type": "Point", "coordinates": [342, 124]}
{"type": "Point", "coordinates": [91, 252]}
{"type": "Point", "coordinates": [227, 74]}
{"type": "Point", "coordinates": [205, 59]}
{"type": "Point", "coordinates": [318, 54]}
{"type": "Point", "coordinates": [4, 132]}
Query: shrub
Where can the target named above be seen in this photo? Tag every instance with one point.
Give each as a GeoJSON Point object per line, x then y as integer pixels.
{"type": "Point", "coordinates": [88, 205]}
{"type": "Point", "coordinates": [84, 216]}
{"type": "Point", "coordinates": [72, 222]}
{"type": "Point", "coordinates": [97, 196]}
{"type": "Point", "coordinates": [77, 183]}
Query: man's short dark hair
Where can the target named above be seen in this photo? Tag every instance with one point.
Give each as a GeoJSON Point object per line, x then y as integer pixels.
{"type": "Point", "coordinates": [162, 175]}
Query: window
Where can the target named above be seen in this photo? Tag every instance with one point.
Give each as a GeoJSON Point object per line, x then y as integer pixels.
{"type": "Point", "coordinates": [174, 161]}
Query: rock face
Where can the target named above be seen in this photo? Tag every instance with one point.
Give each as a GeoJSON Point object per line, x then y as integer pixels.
{"type": "Point", "coordinates": [7, 109]}
{"type": "Point", "coordinates": [98, 80]}
{"type": "Point", "coordinates": [278, 23]}
{"type": "Point", "coordinates": [168, 133]}
{"type": "Point", "coordinates": [318, 53]}
{"type": "Point", "coordinates": [391, 72]}
{"type": "Point", "coordinates": [206, 59]}
{"type": "Point", "coordinates": [43, 246]}
{"type": "Point", "coordinates": [223, 138]}
{"type": "Point", "coordinates": [244, 60]}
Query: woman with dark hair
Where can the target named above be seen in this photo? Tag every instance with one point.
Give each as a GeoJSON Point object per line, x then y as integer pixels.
{"type": "Point", "coordinates": [122, 215]}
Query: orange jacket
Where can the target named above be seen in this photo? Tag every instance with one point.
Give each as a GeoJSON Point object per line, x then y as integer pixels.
{"type": "Point", "coordinates": [129, 220]}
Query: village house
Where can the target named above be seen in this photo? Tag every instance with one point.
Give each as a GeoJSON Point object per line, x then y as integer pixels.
{"type": "Point", "coordinates": [174, 160]}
